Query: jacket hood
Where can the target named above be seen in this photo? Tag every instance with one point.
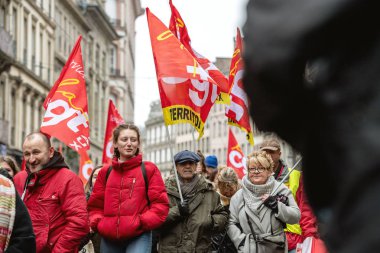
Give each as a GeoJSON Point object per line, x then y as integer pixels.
{"type": "Point", "coordinates": [127, 165]}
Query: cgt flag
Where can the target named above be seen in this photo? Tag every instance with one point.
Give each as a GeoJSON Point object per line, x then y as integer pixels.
{"type": "Point", "coordinates": [178, 28]}
{"type": "Point", "coordinates": [113, 120]}
{"type": "Point", "coordinates": [235, 156]}
{"type": "Point", "coordinates": [85, 167]}
{"type": "Point", "coordinates": [237, 112]}
{"type": "Point", "coordinates": [187, 92]}
{"type": "Point", "coordinates": [66, 116]}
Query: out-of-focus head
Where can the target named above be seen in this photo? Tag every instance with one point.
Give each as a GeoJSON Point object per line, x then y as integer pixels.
{"type": "Point", "coordinates": [201, 166]}
{"type": "Point", "coordinates": [9, 164]}
{"type": "Point", "coordinates": [37, 151]}
{"type": "Point", "coordinates": [186, 163]}
{"type": "Point", "coordinates": [94, 175]}
{"type": "Point", "coordinates": [260, 167]}
{"type": "Point", "coordinates": [273, 148]}
{"type": "Point", "coordinates": [227, 181]}
{"type": "Point", "coordinates": [126, 141]}
{"type": "Point", "coordinates": [211, 162]}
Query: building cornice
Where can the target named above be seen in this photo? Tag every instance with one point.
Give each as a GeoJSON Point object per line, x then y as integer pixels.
{"type": "Point", "coordinates": [75, 11]}
{"type": "Point", "coordinates": [97, 14]}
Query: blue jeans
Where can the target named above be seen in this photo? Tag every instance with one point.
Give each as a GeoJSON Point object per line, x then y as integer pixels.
{"type": "Point", "coordinates": [139, 244]}
{"type": "Point", "coordinates": [292, 251]}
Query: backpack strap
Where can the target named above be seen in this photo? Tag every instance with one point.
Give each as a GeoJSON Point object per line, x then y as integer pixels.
{"type": "Point", "coordinates": [143, 170]}
{"type": "Point", "coordinates": [108, 172]}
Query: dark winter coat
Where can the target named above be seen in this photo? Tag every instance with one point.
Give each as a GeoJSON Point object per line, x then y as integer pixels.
{"type": "Point", "coordinates": [57, 206]}
{"type": "Point", "coordinates": [118, 206]}
{"type": "Point", "coordinates": [193, 233]}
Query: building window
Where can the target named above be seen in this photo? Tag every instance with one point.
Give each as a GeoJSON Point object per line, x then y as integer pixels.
{"type": "Point", "coordinates": [14, 28]}
{"type": "Point", "coordinates": [2, 16]}
{"type": "Point", "coordinates": [158, 156]}
{"type": "Point", "coordinates": [168, 157]}
{"type": "Point", "coordinates": [34, 37]}
{"type": "Point", "coordinates": [113, 60]}
{"type": "Point", "coordinates": [26, 39]}
{"type": "Point", "coordinates": [2, 98]}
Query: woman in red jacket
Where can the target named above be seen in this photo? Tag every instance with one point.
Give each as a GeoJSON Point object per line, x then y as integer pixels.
{"type": "Point", "coordinates": [126, 205]}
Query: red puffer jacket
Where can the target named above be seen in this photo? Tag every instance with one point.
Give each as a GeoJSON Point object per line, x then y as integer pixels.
{"type": "Point", "coordinates": [57, 206]}
{"type": "Point", "coordinates": [118, 206]}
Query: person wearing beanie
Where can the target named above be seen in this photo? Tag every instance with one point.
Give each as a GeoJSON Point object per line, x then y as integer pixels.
{"type": "Point", "coordinates": [211, 162]}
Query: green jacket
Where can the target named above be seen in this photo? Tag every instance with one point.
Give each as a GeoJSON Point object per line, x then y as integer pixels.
{"type": "Point", "coordinates": [192, 234]}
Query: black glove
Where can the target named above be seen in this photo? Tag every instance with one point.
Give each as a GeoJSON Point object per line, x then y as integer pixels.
{"type": "Point", "coordinates": [271, 202]}
{"type": "Point", "coordinates": [184, 208]}
{"type": "Point", "coordinates": [282, 198]}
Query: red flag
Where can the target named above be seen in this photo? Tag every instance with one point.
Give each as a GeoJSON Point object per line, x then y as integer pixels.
{"type": "Point", "coordinates": [66, 116]}
{"type": "Point", "coordinates": [237, 111]}
{"type": "Point", "coordinates": [113, 120]}
{"type": "Point", "coordinates": [85, 167]}
{"type": "Point", "coordinates": [235, 156]}
{"type": "Point", "coordinates": [187, 92]}
{"type": "Point", "coordinates": [178, 28]}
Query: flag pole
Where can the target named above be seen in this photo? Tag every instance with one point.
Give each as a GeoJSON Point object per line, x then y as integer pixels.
{"type": "Point", "coordinates": [175, 169]}
{"type": "Point", "coordinates": [194, 141]}
{"type": "Point", "coordinates": [282, 181]}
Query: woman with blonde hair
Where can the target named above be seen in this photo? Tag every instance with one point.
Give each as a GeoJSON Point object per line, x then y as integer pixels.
{"type": "Point", "coordinates": [257, 218]}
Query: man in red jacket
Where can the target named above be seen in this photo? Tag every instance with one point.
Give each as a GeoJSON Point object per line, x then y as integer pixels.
{"type": "Point", "coordinates": [54, 196]}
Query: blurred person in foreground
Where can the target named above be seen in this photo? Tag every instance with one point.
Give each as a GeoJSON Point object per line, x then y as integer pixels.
{"type": "Point", "coordinates": [54, 196]}
{"type": "Point", "coordinates": [191, 223]}
{"type": "Point", "coordinates": [257, 219]}
{"type": "Point", "coordinates": [16, 231]}
{"type": "Point", "coordinates": [9, 164]}
{"type": "Point", "coordinates": [332, 118]}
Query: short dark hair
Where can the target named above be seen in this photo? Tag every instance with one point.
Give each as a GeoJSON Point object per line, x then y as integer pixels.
{"type": "Point", "coordinates": [11, 162]}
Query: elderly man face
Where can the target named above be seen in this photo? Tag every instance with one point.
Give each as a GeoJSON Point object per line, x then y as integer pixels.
{"type": "Point", "coordinates": [186, 170]}
{"type": "Point", "coordinates": [37, 152]}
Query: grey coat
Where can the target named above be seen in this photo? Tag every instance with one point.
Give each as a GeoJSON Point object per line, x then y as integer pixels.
{"type": "Point", "coordinates": [267, 226]}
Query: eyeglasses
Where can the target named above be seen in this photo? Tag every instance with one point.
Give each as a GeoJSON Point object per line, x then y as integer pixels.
{"type": "Point", "coordinates": [257, 170]}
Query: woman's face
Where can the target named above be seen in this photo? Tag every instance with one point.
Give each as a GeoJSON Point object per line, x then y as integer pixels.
{"type": "Point", "coordinates": [8, 168]}
{"type": "Point", "coordinates": [127, 144]}
{"type": "Point", "coordinates": [94, 177]}
{"type": "Point", "coordinates": [257, 174]}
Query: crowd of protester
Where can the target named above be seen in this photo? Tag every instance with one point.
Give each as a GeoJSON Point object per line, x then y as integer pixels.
{"type": "Point", "coordinates": [127, 206]}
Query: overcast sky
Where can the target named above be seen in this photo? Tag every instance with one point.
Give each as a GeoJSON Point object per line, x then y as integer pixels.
{"type": "Point", "coordinates": [211, 25]}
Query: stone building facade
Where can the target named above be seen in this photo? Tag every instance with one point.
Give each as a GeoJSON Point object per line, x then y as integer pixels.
{"type": "Point", "coordinates": [36, 39]}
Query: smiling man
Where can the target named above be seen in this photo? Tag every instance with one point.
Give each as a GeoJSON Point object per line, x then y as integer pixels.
{"type": "Point", "coordinates": [191, 223]}
{"type": "Point", "coordinates": [54, 196]}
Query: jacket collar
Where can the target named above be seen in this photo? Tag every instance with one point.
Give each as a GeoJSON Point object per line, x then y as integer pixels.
{"type": "Point", "coordinates": [127, 165]}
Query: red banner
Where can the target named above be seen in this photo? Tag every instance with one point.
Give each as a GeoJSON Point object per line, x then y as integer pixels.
{"type": "Point", "coordinates": [66, 116]}
{"type": "Point", "coordinates": [237, 112]}
{"type": "Point", "coordinates": [85, 167]}
{"type": "Point", "coordinates": [187, 92]}
{"type": "Point", "coordinates": [178, 28]}
{"type": "Point", "coordinates": [235, 156]}
{"type": "Point", "coordinates": [113, 120]}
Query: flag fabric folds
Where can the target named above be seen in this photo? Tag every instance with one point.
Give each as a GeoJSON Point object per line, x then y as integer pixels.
{"type": "Point", "coordinates": [178, 28]}
{"type": "Point", "coordinates": [237, 112]}
{"type": "Point", "coordinates": [113, 120]}
{"type": "Point", "coordinates": [235, 156]}
{"type": "Point", "coordinates": [66, 116]}
{"type": "Point", "coordinates": [186, 90]}
{"type": "Point", "coordinates": [85, 167]}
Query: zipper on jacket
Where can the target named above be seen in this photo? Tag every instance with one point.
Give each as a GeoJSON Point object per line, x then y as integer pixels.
{"type": "Point", "coordinates": [118, 215]}
{"type": "Point", "coordinates": [133, 185]}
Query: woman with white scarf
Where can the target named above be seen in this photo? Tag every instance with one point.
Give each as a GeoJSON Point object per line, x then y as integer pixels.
{"type": "Point", "coordinates": [257, 219]}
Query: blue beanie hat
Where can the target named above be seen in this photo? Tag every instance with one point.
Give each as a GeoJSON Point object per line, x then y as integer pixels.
{"type": "Point", "coordinates": [211, 161]}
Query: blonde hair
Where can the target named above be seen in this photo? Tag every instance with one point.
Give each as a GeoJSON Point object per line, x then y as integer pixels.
{"type": "Point", "coordinates": [261, 158]}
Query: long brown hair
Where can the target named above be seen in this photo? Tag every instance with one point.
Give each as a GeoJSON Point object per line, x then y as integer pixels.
{"type": "Point", "coordinates": [89, 185]}
{"type": "Point", "coordinates": [11, 162]}
{"type": "Point", "coordinates": [116, 133]}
